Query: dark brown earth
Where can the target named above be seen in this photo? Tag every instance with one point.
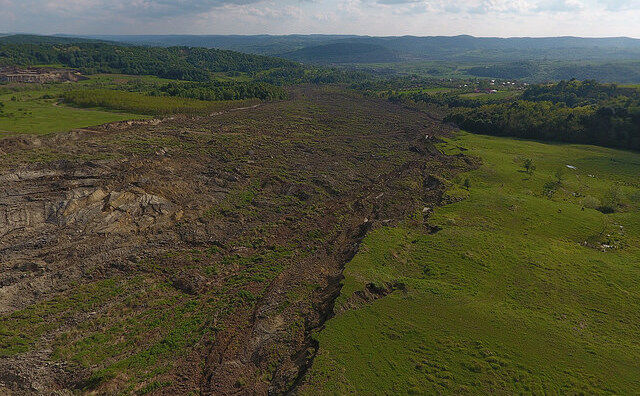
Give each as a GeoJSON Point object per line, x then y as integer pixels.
{"type": "Point", "coordinates": [234, 227]}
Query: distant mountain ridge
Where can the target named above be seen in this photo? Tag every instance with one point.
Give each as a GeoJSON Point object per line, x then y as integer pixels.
{"type": "Point", "coordinates": [37, 39]}
{"type": "Point", "coordinates": [452, 48]}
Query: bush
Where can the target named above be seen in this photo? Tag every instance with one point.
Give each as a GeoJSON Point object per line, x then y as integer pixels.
{"type": "Point", "coordinates": [549, 189]}
{"type": "Point", "coordinates": [529, 166]}
{"type": "Point", "coordinates": [612, 200]}
{"type": "Point", "coordinates": [590, 202]}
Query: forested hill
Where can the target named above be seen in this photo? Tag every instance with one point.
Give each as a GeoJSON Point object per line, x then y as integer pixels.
{"type": "Point", "coordinates": [182, 63]}
{"type": "Point", "coordinates": [455, 48]}
{"type": "Point", "coordinates": [344, 52]}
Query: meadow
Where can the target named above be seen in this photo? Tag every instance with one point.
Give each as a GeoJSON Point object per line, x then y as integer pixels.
{"type": "Point", "coordinates": [38, 111]}
{"type": "Point", "coordinates": [526, 288]}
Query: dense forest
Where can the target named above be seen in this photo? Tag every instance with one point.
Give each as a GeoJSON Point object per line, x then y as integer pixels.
{"type": "Point", "coordinates": [529, 59]}
{"type": "Point", "coordinates": [178, 63]}
{"type": "Point", "coordinates": [569, 111]}
{"type": "Point", "coordinates": [182, 63]}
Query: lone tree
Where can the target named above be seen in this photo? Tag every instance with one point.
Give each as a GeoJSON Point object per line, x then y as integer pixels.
{"type": "Point", "coordinates": [529, 166]}
{"type": "Point", "coordinates": [560, 175]}
{"type": "Point", "coordinates": [466, 184]}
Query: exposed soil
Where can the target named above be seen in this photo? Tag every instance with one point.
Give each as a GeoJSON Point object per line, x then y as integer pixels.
{"type": "Point", "coordinates": [301, 180]}
{"type": "Point", "coordinates": [13, 74]}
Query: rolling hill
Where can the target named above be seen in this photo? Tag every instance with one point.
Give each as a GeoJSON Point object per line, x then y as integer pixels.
{"type": "Point", "coordinates": [344, 52]}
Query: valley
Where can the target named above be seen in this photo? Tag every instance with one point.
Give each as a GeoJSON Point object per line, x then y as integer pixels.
{"type": "Point", "coordinates": [211, 246]}
{"type": "Point", "coordinates": [193, 221]}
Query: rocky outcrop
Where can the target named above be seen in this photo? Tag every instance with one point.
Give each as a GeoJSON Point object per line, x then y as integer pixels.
{"type": "Point", "coordinates": [99, 211]}
{"type": "Point", "coordinates": [53, 218]}
{"type": "Point", "coordinates": [93, 210]}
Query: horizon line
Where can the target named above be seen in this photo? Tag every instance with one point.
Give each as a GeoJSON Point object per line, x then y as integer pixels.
{"type": "Point", "coordinates": [312, 34]}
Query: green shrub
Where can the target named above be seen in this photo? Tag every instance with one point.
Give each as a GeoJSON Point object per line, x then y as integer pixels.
{"type": "Point", "coordinates": [529, 166]}
{"type": "Point", "coordinates": [549, 189]}
{"type": "Point", "coordinates": [590, 202]}
{"type": "Point", "coordinates": [612, 200]}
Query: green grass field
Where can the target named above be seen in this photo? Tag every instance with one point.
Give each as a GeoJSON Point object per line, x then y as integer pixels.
{"type": "Point", "coordinates": [497, 96]}
{"type": "Point", "coordinates": [526, 289]}
{"type": "Point", "coordinates": [35, 109]}
{"type": "Point", "coordinates": [439, 69]}
{"type": "Point", "coordinates": [42, 116]}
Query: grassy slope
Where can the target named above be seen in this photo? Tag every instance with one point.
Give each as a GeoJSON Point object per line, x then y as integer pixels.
{"type": "Point", "coordinates": [504, 298]}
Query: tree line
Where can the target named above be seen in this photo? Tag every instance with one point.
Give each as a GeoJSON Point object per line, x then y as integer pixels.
{"type": "Point", "coordinates": [139, 103]}
{"type": "Point", "coordinates": [222, 90]}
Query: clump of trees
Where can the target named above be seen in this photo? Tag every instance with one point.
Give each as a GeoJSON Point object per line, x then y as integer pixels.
{"type": "Point", "coordinates": [576, 112]}
{"type": "Point", "coordinates": [549, 189]}
{"type": "Point", "coordinates": [219, 90]}
{"type": "Point", "coordinates": [612, 200]}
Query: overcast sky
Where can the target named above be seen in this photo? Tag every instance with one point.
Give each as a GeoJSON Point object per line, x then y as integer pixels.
{"type": "Point", "coordinates": [373, 17]}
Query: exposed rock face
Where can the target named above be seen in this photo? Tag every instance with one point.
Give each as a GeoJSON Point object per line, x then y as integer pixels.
{"type": "Point", "coordinates": [52, 216]}
{"type": "Point", "coordinates": [99, 211]}
{"type": "Point", "coordinates": [91, 209]}
{"type": "Point", "coordinates": [38, 75]}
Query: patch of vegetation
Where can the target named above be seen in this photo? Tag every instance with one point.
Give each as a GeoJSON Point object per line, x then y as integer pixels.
{"type": "Point", "coordinates": [223, 90]}
{"type": "Point", "coordinates": [519, 292]}
{"type": "Point", "coordinates": [21, 329]}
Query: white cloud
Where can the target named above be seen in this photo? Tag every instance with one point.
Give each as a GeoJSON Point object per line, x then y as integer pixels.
{"type": "Point", "coordinates": [375, 17]}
